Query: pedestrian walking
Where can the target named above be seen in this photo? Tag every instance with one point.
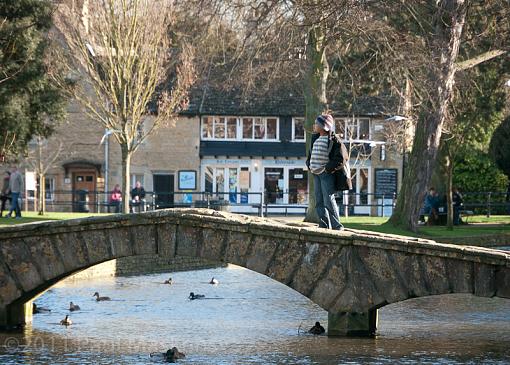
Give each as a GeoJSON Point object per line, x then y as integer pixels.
{"type": "Point", "coordinates": [15, 187]}
{"type": "Point", "coordinates": [5, 193]}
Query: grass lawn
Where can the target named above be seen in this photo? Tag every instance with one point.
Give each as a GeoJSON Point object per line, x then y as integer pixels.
{"type": "Point", "coordinates": [29, 217]}
{"type": "Point", "coordinates": [478, 225]}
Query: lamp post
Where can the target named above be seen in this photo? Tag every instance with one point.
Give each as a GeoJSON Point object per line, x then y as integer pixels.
{"type": "Point", "coordinates": [105, 140]}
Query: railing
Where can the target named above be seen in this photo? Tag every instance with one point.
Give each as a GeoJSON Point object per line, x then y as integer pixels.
{"type": "Point", "coordinates": [261, 203]}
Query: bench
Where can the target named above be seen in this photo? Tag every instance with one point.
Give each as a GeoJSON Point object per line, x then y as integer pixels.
{"type": "Point", "coordinates": [466, 213]}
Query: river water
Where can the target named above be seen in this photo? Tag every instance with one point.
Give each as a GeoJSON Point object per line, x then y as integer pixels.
{"type": "Point", "coordinates": [247, 319]}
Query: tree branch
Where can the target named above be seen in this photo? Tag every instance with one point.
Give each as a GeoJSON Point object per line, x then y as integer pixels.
{"type": "Point", "coordinates": [472, 62]}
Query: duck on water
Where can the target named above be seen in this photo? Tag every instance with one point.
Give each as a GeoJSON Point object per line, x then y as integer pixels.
{"type": "Point", "coordinates": [100, 299]}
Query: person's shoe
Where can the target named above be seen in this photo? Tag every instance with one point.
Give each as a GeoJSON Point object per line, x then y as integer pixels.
{"type": "Point", "coordinates": [18, 217]}
{"type": "Point", "coordinates": [340, 228]}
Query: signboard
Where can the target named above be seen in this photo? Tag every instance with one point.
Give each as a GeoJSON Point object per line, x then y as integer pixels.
{"type": "Point", "coordinates": [187, 180]}
{"type": "Point", "coordinates": [386, 181]}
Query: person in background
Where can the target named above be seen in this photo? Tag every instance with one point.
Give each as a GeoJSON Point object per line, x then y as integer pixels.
{"type": "Point", "coordinates": [115, 199]}
{"type": "Point", "coordinates": [457, 206]}
{"type": "Point", "coordinates": [138, 196]}
{"type": "Point", "coordinates": [5, 192]}
{"type": "Point", "coordinates": [431, 205]}
{"type": "Point", "coordinates": [16, 187]}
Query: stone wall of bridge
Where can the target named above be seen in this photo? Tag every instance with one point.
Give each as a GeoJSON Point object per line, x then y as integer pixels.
{"type": "Point", "coordinates": [350, 273]}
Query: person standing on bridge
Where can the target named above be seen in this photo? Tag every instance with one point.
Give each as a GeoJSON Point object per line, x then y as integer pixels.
{"type": "Point", "coordinates": [325, 160]}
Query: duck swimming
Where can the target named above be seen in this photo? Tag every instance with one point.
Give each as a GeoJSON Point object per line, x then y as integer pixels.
{"type": "Point", "coordinates": [173, 354]}
{"type": "Point", "coordinates": [36, 309]}
{"type": "Point", "coordinates": [74, 307]}
{"type": "Point", "coordinates": [317, 329]}
{"type": "Point", "coordinates": [169, 281]}
{"type": "Point", "coordinates": [214, 281]}
{"type": "Point", "coordinates": [100, 299]}
{"type": "Point", "coordinates": [66, 321]}
{"type": "Point", "coordinates": [193, 296]}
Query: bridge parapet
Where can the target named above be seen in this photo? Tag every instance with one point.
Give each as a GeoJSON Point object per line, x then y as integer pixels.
{"type": "Point", "coordinates": [349, 273]}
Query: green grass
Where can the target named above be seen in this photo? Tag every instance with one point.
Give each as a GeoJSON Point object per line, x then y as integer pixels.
{"type": "Point", "coordinates": [29, 217]}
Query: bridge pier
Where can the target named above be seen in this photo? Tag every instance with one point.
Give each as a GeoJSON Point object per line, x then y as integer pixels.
{"type": "Point", "coordinates": [16, 315]}
{"type": "Point", "coordinates": [352, 323]}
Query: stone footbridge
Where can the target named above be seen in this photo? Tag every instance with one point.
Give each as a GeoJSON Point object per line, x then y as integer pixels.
{"type": "Point", "coordinates": [350, 274]}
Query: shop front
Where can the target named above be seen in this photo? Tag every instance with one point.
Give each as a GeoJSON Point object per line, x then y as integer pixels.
{"type": "Point", "coordinates": [245, 183]}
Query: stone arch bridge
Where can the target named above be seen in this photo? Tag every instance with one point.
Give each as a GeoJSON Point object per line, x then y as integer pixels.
{"type": "Point", "coordinates": [350, 274]}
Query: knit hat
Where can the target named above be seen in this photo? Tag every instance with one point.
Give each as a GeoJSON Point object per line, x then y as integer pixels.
{"type": "Point", "coordinates": [325, 121]}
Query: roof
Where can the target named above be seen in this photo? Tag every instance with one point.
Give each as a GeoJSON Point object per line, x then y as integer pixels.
{"type": "Point", "coordinates": [285, 101]}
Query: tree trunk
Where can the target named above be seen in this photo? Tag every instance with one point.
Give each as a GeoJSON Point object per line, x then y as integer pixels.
{"type": "Point", "coordinates": [449, 23]}
{"type": "Point", "coordinates": [314, 89]}
{"type": "Point", "coordinates": [42, 194]}
{"type": "Point", "coordinates": [126, 165]}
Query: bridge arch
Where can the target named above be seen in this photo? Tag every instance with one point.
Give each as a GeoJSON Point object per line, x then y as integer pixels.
{"type": "Point", "coordinates": [350, 274]}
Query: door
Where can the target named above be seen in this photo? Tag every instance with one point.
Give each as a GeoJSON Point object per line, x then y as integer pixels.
{"type": "Point", "coordinates": [84, 187]}
{"type": "Point", "coordinates": [163, 187]}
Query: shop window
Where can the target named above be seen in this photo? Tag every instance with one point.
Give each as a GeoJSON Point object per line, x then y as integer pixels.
{"type": "Point", "coordinates": [207, 127]}
{"type": "Point", "coordinates": [298, 186]}
{"type": "Point", "coordinates": [274, 185]}
{"type": "Point", "coordinates": [244, 184]}
{"type": "Point", "coordinates": [231, 128]}
{"type": "Point", "coordinates": [363, 186]}
{"type": "Point", "coordinates": [260, 130]}
{"type": "Point", "coordinates": [247, 128]}
{"type": "Point", "coordinates": [209, 179]}
{"type": "Point", "coordinates": [232, 185]}
{"type": "Point", "coordinates": [271, 127]}
{"type": "Point", "coordinates": [219, 128]}
{"type": "Point", "coordinates": [220, 183]}
{"type": "Point", "coordinates": [298, 129]}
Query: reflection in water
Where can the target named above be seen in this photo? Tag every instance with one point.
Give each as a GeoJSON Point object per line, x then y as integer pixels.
{"type": "Point", "coordinates": [248, 319]}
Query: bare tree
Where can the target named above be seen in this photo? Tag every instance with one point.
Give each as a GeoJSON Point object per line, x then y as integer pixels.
{"type": "Point", "coordinates": [125, 68]}
{"type": "Point", "coordinates": [41, 157]}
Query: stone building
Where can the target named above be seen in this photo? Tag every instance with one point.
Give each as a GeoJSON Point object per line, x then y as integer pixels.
{"type": "Point", "coordinates": [242, 150]}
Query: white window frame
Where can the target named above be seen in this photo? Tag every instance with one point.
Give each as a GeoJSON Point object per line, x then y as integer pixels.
{"type": "Point", "coordinates": [294, 139]}
{"type": "Point", "coordinates": [356, 123]}
{"type": "Point", "coordinates": [239, 129]}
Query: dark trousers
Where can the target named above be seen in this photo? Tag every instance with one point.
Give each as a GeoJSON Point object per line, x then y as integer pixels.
{"type": "Point", "coordinates": [4, 198]}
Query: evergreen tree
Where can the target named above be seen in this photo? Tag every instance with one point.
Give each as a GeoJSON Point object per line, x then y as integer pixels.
{"type": "Point", "coordinates": [29, 103]}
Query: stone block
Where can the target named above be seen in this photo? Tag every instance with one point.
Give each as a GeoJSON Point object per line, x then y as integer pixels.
{"type": "Point", "coordinates": [460, 275]}
{"type": "Point", "coordinates": [120, 241]}
{"type": "Point", "coordinates": [352, 323]}
{"type": "Point", "coordinates": [435, 273]}
{"type": "Point", "coordinates": [287, 257]}
{"type": "Point", "coordinates": [237, 248]}
{"type": "Point", "coordinates": [315, 260]}
{"type": "Point", "coordinates": [189, 240]}
{"type": "Point", "coordinates": [8, 288]}
{"type": "Point", "coordinates": [409, 267]}
{"type": "Point", "coordinates": [503, 282]}
{"type": "Point", "coordinates": [214, 244]}
{"type": "Point", "coordinates": [166, 239]}
{"type": "Point", "coordinates": [384, 274]}
{"type": "Point", "coordinates": [20, 263]}
{"type": "Point", "coordinates": [485, 280]}
{"type": "Point", "coordinates": [262, 251]}
{"type": "Point", "coordinates": [144, 239]}
{"type": "Point", "coordinates": [98, 247]}
{"type": "Point", "coordinates": [49, 261]}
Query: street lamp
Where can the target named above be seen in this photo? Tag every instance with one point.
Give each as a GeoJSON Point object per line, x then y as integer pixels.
{"type": "Point", "coordinates": [106, 158]}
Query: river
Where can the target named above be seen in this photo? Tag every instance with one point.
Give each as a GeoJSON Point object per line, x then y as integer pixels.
{"type": "Point", "coordinates": [247, 319]}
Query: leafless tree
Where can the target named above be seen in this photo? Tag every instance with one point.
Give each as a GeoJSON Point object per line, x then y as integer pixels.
{"type": "Point", "coordinates": [41, 157]}
{"type": "Point", "coordinates": [125, 66]}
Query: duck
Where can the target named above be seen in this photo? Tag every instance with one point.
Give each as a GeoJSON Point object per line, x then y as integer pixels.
{"type": "Point", "coordinates": [317, 329]}
{"type": "Point", "coordinates": [173, 354]}
{"type": "Point", "coordinates": [214, 281]}
{"type": "Point", "coordinates": [74, 307]}
{"type": "Point", "coordinates": [36, 309]}
{"type": "Point", "coordinates": [66, 321]}
{"type": "Point", "coordinates": [169, 281]}
{"type": "Point", "coordinates": [100, 299]}
{"type": "Point", "coordinates": [193, 296]}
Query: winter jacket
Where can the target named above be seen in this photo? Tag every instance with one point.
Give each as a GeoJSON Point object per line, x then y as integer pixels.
{"type": "Point", "coordinates": [338, 159]}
